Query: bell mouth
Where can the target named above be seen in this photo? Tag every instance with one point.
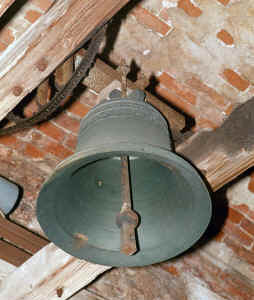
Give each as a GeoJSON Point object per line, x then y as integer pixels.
{"type": "Point", "coordinates": [83, 197]}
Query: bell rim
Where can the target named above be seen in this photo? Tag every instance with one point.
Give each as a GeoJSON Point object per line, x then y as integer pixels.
{"type": "Point", "coordinates": [149, 151]}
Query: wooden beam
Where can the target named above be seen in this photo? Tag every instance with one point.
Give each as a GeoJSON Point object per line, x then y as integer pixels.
{"type": "Point", "coordinates": [225, 153]}
{"type": "Point", "coordinates": [5, 4]}
{"type": "Point", "coordinates": [21, 237]}
{"type": "Point", "coordinates": [46, 43]}
{"type": "Point", "coordinates": [12, 254]}
{"type": "Point", "coordinates": [48, 274]}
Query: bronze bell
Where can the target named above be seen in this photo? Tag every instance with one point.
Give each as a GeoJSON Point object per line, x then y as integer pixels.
{"type": "Point", "coordinates": [124, 198]}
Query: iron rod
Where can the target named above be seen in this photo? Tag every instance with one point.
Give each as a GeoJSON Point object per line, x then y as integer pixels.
{"type": "Point", "coordinates": [127, 219]}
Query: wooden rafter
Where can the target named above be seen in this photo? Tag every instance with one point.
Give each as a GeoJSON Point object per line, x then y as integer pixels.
{"type": "Point", "coordinates": [46, 43]}
{"type": "Point", "coordinates": [18, 244]}
{"type": "Point", "coordinates": [46, 274]}
{"type": "Point", "coordinates": [225, 153]}
{"type": "Point", "coordinates": [5, 4]}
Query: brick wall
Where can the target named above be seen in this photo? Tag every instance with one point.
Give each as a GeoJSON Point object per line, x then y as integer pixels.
{"type": "Point", "coordinates": [200, 54]}
{"type": "Point", "coordinates": [29, 157]}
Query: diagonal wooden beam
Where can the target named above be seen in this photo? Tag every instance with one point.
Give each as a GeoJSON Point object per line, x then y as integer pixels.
{"type": "Point", "coordinates": [5, 4]}
{"type": "Point", "coordinates": [12, 254]}
{"type": "Point", "coordinates": [21, 237]}
{"type": "Point", "coordinates": [225, 153]}
{"type": "Point", "coordinates": [46, 43]}
{"type": "Point", "coordinates": [50, 274]}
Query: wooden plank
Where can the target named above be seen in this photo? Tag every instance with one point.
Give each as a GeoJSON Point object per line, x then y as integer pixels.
{"type": "Point", "coordinates": [21, 237]}
{"type": "Point", "coordinates": [5, 4]}
{"type": "Point", "coordinates": [48, 273]}
{"type": "Point", "coordinates": [225, 153]}
{"type": "Point", "coordinates": [46, 43]}
{"type": "Point", "coordinates": [13, 255]}
{"type": "Point", "coordinates": [101, 75]}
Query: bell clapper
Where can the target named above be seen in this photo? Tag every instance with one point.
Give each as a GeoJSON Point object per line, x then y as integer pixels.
{"type": "Point", "coordinates": [127, 219]}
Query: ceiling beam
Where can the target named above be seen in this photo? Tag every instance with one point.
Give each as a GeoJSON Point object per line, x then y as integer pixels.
{"type": "Point", "coordinates": [46, 43]}
{"type": "Point", "coordinates": [50, 274]}
{"type": "Point", "coordinates": [225, 153]}
{"type": "Point", "coordinates": [5, 4]}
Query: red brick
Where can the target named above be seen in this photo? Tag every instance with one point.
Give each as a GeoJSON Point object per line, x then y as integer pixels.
{"type": "Point", "coordinates": [189, 8]}
{"type": "Point", "coordinates": [229, 109]}
{"type": "Point", "coordinates": [2, 47]}
{"type": "Point", "coordinates": [234, 216]}
{"type": "Point", "coordinates": [38, 140]}
{"type": "Point", "coordinates": [245, 210]}
{"type": "Point", "coordinates": [181, 91]}
{"type": "Point", "coordinates": [224, 2]}
{"type": "Point", "coordinates": [89, 99]}
{"type": "Point", "coordinates": [79, 109]}
{"type": "Point", "coordinates": [57, 150]}
{"type": "Point", "coordinates": [176, 101]}
{"type": "Point", "coordinates": [71, 141]}
{"type": "Point", "coordinates": [9, 140]}
{"type": "Point", "coordinates": [32, 16]}
{"type": "Point", "coordinates": [202, 123]}
{"type": "Point", "coordinates": [226, 37]}
{"type": "Point", "coordinates": [235, 231]}
{"type": "Point", "coordinates": [6, 36]}
{"type": "Point", "coordinates": [33, 152]}
{"type": "Point", "coordinates": [171, 269]}
{"type": "Point", "coordinates": [251, 183]}
{"type": "Point", "coordinates": [220, 236]}
{"type": "Point", "coordinates": [43, 4]}
{"type": "Point", "coordinates": [201, 266]}
{"type": "Point", "coordinates": [248, 226]}
{"type": "Point", "coordinates": [164, 14]}
{"type": "Point", "coordinates": [236, 286]}
{"type": "Point", "coordinates": [52, 131]}
{"type": "Point", "coordinates": [240, 251]}
{"type": "Point", "coordinates": [251, 214]}
{"type": "Point", "coordinates": [36, 137]}
{"type": "Point", "coordinates": [242, 207]}
{"type": "Point", "coordinates": [235, 80]}
{"type": "Point", "coordinates": [144, 17]}
{"type": "Point", "coordinates": [67, 122]}
{"type": "Point", "coordinates": [30, 109]}
{"type": "Point", "coordinates": [197, 84]}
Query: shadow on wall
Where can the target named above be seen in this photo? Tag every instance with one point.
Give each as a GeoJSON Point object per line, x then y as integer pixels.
{"type": "Point", "coordinates": [114, 28]}
{"type": "Point", "coordinates": [220, 205]}
{"type": "Point", "coordinates": [111, 36]}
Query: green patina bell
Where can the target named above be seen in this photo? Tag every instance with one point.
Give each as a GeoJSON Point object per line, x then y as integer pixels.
{"type": "Point", "coordinates": [124, 198]}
